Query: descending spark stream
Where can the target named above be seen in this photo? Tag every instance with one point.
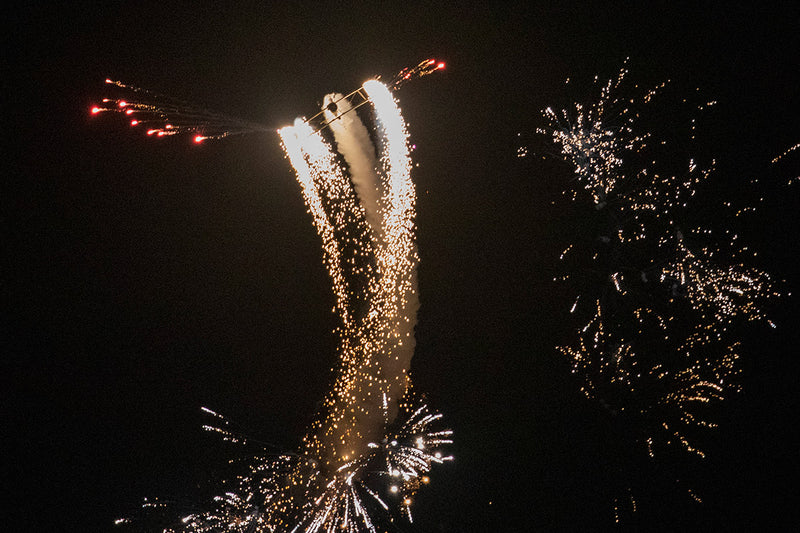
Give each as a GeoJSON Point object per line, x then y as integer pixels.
{"type": "Point", "coordinates": [376, 349]}
{"type": "Point", "coordinates": [315, 164]}
{"type": "Point", "coordinates": [353, 142]}
{"type": "Point", "coordinates": [369, 251]}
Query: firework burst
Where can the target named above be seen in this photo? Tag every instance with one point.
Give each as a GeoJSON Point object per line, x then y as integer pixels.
{"type": "Point", "coordinates": [658, 305]}
{"type": "Point", "coordinates": [424, 68]}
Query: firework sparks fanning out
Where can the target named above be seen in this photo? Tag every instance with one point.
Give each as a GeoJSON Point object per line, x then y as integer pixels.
{"type": "Point", "coordinates": [720, 294]}
{"type": "Point", "coordinates": [655, 347]}
{"type": "Point", "coordinates": [372, 446]}
{"type": "Point", "coordinates": [161, 116]}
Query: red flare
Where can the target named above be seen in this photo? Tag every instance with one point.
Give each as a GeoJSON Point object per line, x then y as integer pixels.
{"type": "Point", "coordinates": [198, 139]}
{"type": "Point", "coordinates": [134, 122]}
{"type": "Point", "coordinates": [122, 103]}
{"type": "Point", "coordinates": [96, 110]}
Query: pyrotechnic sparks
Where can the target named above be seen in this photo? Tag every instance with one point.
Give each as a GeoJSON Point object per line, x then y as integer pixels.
{"type": "Point", "coordinates": [290, 492]}
{"type": "Point", "coordinates": [371, 447]}
{"type": "Point", "coordinates": [785, 153]}
{"type": "Point", "coordinates": [376, 346]}
{"type": "Point", "coordinates": [160, 115]}
{"type": "Point", "coordinates": [634, 373]}
{"type": "Point", "coordinates": [377, 343]}
{"type": "Point", "coordinates": [719, 294]}
{"type": "Point", "coordinates": [656, 346]}
{"type": "Point", "coordinates": [428, 66]}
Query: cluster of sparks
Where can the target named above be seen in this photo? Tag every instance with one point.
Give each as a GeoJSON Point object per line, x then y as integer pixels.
{"type": "Point", "coordinates": [163, 116]}
{"type": "Point", "coordinates": [372, 445]}
{"type": "Point", "coordinates": [785, 153]}
{"type": "Point", "coordinates": [293, 492]}
{"type": "Point", "coordinates": [367, 228]}
{"type": "Point", "coordinates": [424, 68]}
{"type": "Point", "coordinates": [720, 294]}
{"type": "Point", "coordinates": [654, 348]}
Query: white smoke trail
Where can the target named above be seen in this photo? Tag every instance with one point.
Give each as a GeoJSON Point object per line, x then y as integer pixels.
{"type": "Point", "coordinates": [353, 142]}
{"type": "Point", "coordinates": [388, 217]}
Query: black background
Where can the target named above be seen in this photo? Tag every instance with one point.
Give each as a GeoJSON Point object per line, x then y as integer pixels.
{"type": "Point", "coordinates": [144, 278]}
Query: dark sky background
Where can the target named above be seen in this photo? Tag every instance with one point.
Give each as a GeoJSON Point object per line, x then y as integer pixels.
{"type": "Point", "coordinates": [143, 279]}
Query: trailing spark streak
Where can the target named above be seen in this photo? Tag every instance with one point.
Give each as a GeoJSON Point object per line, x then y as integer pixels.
{"type": "Point", "coordinates": [376, 349]}
{"type": "Point", "coordinates": [316, 166]}
{"type": "Point", "coordinates": [163, 116]}
{"type": "Point", "coordinates": [424, 68]}
{"type": "Point", "coordinates": [377, 302]}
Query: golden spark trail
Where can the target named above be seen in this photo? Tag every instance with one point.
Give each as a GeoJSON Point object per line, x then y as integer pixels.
{"type": "Point", "coordinates": [370, 254]}
{"type": "Point", "coordinates": [375, 352]}
{"type": "Point", "coordinates": [316, 167]}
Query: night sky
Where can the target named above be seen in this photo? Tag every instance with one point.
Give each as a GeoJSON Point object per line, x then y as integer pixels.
{"type": "Point", "coordinates": [145, 278]}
